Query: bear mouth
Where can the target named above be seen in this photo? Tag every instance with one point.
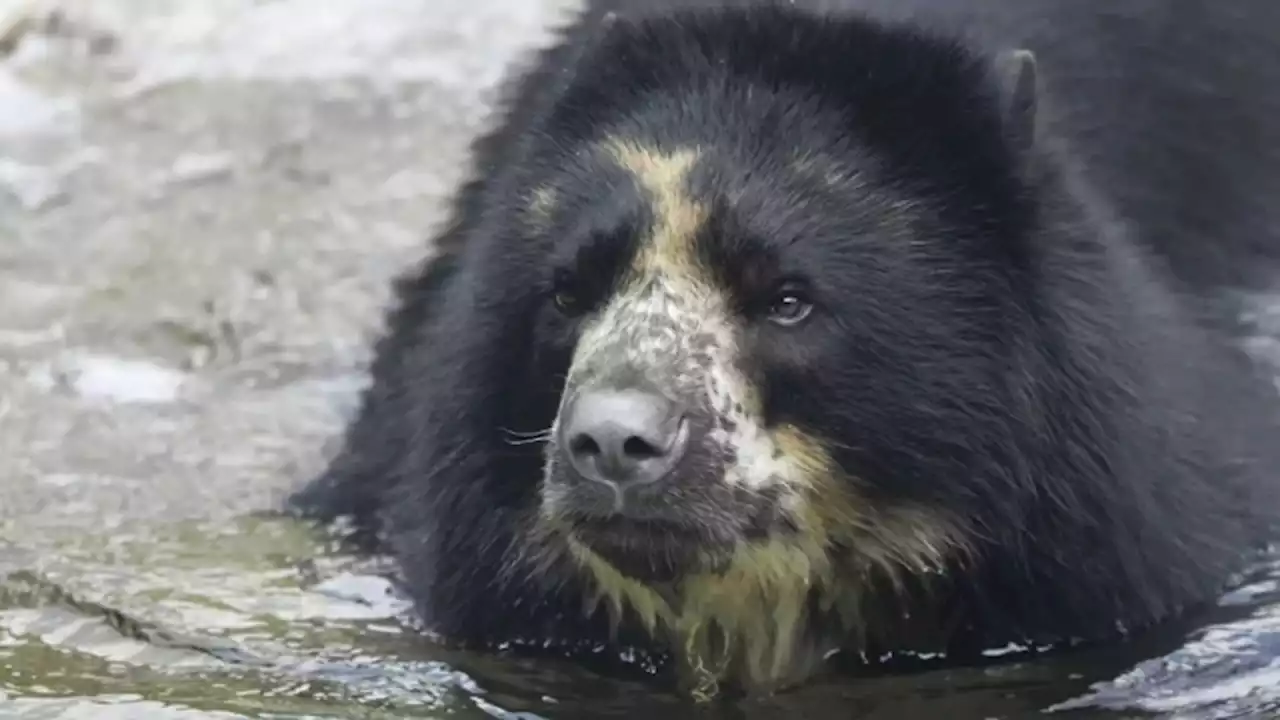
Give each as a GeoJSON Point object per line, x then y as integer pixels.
{"type": "Point", "coordinates": [652, 551]}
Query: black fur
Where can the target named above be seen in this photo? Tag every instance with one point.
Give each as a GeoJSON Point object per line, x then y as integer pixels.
{"type": "Point", "coordinates": [1019, 331]}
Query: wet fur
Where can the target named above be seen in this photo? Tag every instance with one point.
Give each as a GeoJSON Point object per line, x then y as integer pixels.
{"type": "Point", "coordinates": [1042, 434]}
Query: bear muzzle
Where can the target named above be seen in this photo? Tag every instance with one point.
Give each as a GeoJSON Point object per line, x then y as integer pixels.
{"type": "Point", "coordinates": [635, 476]}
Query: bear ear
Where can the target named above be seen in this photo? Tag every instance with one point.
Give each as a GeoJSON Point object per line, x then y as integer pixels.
{"type": "Point", "coordinates": [1016, 77]}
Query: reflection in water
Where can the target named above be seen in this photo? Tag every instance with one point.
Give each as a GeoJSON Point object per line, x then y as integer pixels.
{"type": "Point", "coordinates": [260, 641]}
{"type": "Point", "coordinates": [255, 618]}
{"type": "Point", "coordinates": [200, 206]}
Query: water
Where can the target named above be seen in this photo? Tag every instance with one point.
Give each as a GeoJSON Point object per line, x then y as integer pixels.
{"type": "Point", "coordinates": [200, 206]}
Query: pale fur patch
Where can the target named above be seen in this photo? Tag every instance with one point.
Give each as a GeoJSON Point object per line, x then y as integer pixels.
{"type": "Point", "coordinates": [540, 205]}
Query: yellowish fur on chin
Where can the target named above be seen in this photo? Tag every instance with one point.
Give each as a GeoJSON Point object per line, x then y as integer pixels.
{"type": "Point", "coordinates": [749, 621]}
{"type": "Point", "coordinates": [744, 622]}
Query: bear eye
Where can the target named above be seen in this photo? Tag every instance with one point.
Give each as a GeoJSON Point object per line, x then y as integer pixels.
{"type": "Point", "coordinates": [565, 302]}
{"type": "Point", "coordinates": [790, 306]}
{"type": "Point", "coordinates": [563, 295]}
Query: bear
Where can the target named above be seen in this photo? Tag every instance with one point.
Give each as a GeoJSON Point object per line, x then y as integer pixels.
{"type": "Point", "coordinates": [768, 333]}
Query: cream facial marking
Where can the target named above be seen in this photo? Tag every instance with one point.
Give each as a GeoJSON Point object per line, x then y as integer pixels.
{"type": "Point", "coordinates": [671, 324]}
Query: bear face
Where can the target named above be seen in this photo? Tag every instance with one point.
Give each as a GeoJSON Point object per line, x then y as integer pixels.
{"type": "Point", "coordinates": [733, 330]}
{"type": "Point", "coordinates": [736, 325]}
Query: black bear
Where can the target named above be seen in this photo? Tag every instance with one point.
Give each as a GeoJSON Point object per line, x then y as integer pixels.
{"type": "Point", "coordinates": [765, 331]}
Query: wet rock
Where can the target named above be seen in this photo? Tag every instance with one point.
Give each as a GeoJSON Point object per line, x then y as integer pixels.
{"type": "Point", "coordinates": [23, 109]}
{"type": "Point", "coordinates": [34, 188]}
{"type": "Point", "coordinates": [16, 20]}
{"type": "Point", "coordinates": [115, 379]}
{"type": "Point", "coordinates": [196, 168]}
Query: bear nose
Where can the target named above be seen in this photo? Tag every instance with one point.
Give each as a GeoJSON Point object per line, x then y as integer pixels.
{"type": "Point", "coordinates": [624, 437]}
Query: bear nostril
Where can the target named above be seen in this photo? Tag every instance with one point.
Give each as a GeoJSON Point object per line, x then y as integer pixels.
{"type": "Point", "coordinates": [640, 449]}
{"type": "Point", "coordinates": [583, 444]}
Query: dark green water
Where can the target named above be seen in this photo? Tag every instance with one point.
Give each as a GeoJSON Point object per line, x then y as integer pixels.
{"type": "Point", "coordinates": [253, 618]}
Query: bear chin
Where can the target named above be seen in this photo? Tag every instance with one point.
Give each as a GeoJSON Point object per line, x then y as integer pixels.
{"type": "Point", "coordinates": [659, 543]}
